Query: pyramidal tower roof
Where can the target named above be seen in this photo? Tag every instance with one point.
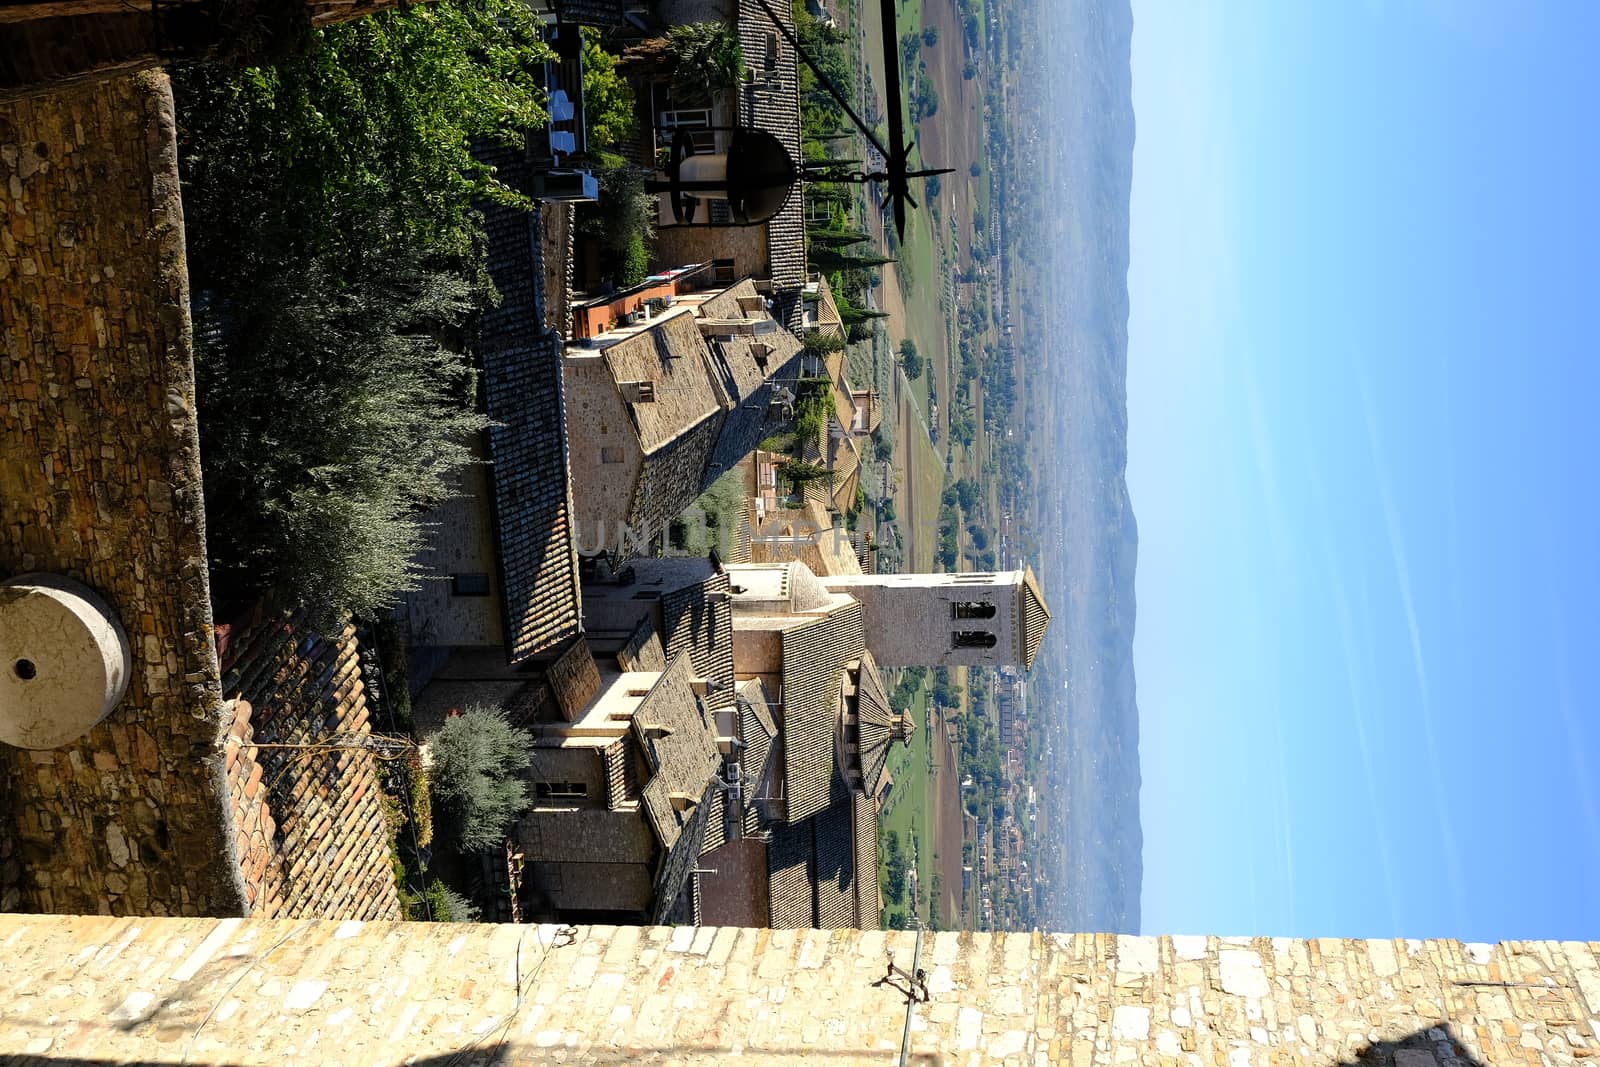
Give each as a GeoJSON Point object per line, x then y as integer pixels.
{"type": "Point", "coordinates": [1032, 617]}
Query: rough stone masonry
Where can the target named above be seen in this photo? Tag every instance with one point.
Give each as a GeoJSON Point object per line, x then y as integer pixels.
{"type": "Point", "coordinates": [100, 481]}
{"type": "Point", "coordinates": [268, 992]}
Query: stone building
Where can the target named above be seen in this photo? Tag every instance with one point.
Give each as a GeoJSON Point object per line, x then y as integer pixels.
{"type": "Point", "coordinates": [620, 806]}
{"type": "Point", "coordinates": [818, 311]}
{"type": "Point", "coordinates": [946, 620]}
{"type": "Point", "coordinates": [500, 573]}
{"type": "Point", "coordinates": [622, 791]}
{"type": "Point", "coordinates": [780, 805]}
{"type": "Point", "coordinates": [797, 844]}
{"type": "Point", "coordinates": [858, 409]}
{"type": "Point", "coordinates": [659, 408]}
{"type": "Point", "coordinates": [773, 253]}
{"type": "Point", "coordinates": [210, 785]}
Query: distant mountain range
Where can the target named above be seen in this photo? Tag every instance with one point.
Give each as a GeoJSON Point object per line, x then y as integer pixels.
{"type": "Point", "coordinates": [1090, 566]}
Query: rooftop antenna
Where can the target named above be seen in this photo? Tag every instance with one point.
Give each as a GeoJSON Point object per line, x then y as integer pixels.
{"type": "Point", "coordinates": [897, 172]}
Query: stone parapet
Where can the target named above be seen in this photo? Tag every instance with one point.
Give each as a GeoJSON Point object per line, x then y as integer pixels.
{"type": "Point", "coordinates": [100, 482]}
{"type": "Point", "coordinates": [385, 993]}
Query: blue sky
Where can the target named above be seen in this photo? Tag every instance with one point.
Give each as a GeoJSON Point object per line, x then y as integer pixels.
{"type": "Point", "coordinates": [1363, 385]}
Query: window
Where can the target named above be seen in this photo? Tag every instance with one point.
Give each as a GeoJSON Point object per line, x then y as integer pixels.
{"type": "Point", "coordinates": [469, 585]}
{"type": "Point", "coordinates": [561, 790]}
{"type": "Point", "coordinates": [611, 454]}
{"type": "Point", "coordinates": [722, 270]}
{"type": "Point", "coordinates": [972, 609]}
{"type": "Point", "coordinates": [972, 639]}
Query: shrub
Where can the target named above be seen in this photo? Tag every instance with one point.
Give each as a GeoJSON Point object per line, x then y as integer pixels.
{"type": "Point", "coordinates": [801, 474]}
{"type": "Point", "coordinates": [623, 222]}
{"type": "Point", "coordinates": [421, 800]}
{"type": "Point", "coordinates": [706, 57]}
{"type": "Point", "coordinates": [812, 410]}
{"type": "Point", "coordinates": [329, 415]}
{"type": "Point", "coordinates": [448, 906]}
{"type": "Point", "coordinates": [478, 790]}
{"type": "Point", "coordinates": [608, 102]}
{"type": "Point", "coordinates": [816, 343]}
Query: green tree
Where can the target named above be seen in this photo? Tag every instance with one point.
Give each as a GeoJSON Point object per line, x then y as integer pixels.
{"type": "Point", "coordinates": [930, 36]}
{"type": "Point", "coordinates": [329, 415]}
{"type": "Point", "coordinates": [837, 238]}
{"type": "Point", "coordinates": [800, 474]}
{"type": "Point", "coordinates": [608, 101]}
{"type": "Point", "coordinates": [910, 360]}
{"type": "Point", "coordinates": [816, 343]}
{"type": "Point", "coordinates": [833, 259]}
{"type": "Point", "coordinates": [445, 905]}
{"type": "Point", "coordinates": [335, 251]}
{"type": "Point", "coordinates": [478, 790]}
{"type": "Point", "coordinates": [706, 57]}
{"type": "Point", "coordinates": [361, 142]}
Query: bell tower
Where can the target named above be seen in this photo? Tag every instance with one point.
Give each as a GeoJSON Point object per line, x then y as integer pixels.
{"type": "Point", "coordinates": [988, 619]}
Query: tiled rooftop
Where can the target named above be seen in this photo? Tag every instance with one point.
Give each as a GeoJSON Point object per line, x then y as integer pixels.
{"type": "Point", "coordinates": [814, 658]}
{"type": "Point", "coordinates": [527, 444]}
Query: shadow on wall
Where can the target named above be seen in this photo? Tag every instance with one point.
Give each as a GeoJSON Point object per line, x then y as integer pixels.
{"type": "Point", "coordinates": [1436, 1046]}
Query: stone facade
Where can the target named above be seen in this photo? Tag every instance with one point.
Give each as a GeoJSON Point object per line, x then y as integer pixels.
{"type": "Point", "coordinates": [934, 620]}
{"type": "Point", "coordinates": [100, 481]}
{"type": "Point", "coordinates": [385, 993]}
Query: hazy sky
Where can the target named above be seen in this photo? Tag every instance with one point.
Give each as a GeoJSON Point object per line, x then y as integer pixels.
{"type": "Point", "coordinates": [1363, 381]}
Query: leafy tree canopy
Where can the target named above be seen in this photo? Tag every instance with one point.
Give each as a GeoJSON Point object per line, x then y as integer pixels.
{"type": "Point", "coordinates": [335, 253]}
{"type": "Point", "coordinates": [706, 56]}
{"type": "Point", "coordinates": [478, 762]}
{"type": "Point", "coordinates": [608, 100]}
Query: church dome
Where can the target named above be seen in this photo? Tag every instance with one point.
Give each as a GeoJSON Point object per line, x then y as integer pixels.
{"type": "Point", "coordinates": [806, 592]}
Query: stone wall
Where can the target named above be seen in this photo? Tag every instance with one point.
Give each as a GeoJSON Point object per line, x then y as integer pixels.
{"type": "Point", "coordinates": [100, 481]}
{"type": "Point", "coordinates": [311, 835]}
{"type": "Point", "coordinates": [56, 44]}
{"type": "Point", "coordinates": [386, 993]}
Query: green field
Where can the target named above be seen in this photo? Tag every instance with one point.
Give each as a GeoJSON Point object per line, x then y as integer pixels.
{"type": "Point", "coordinates": [909, 801]}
